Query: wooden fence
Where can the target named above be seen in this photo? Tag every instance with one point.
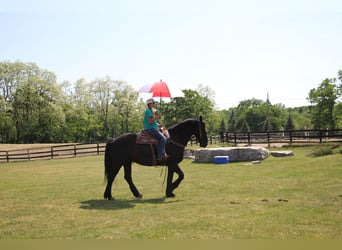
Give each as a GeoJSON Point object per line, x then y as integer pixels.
{"type": "Point", "coordinates": [52, 152]}
{"type": "Point", "coordinates": [269, 138]}
{"type": "Point", "coordinates": [283, 137]}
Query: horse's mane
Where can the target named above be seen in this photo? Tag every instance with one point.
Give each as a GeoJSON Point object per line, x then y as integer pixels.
{"type": "Point", "coordinates": [182, 124]}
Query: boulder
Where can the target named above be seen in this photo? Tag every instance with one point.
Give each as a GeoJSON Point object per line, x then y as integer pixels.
{"type": "Point", "coordinates": [282, 153]}
{"type": "Point", "coordinates": [235, 154]}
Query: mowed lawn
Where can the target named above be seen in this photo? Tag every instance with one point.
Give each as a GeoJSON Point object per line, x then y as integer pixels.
{"type": "Point", "coordinates": [297, 197]}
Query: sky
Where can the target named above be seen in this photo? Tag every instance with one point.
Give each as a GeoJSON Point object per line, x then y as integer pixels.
{"type": "Point", "coordinates": [239, 49]}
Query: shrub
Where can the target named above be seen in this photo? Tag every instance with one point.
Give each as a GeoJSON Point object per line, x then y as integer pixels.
{"type": "Point", "coordinates": [322, 150]}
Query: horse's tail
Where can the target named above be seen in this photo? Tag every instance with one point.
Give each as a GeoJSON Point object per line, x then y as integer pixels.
{"type": "Point", "coordinates": [107, 160]}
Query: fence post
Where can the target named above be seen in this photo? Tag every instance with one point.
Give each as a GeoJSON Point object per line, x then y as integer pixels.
{"type": "Point", "coordinates": [235, 139]}
{"type": "Point", "coordinates": [268, 139]}
{"type": "Point", "coordinates": [28, 154]}
{"type": "Point", "coordinates": [320, 136]}
{"type": "Point", "coordinates": [98, 148]}
{"type": "Point", "coordinates": [290, 134]}
{"type": "Point", "coordinates": [75, 150]}
{"type": "Point", "coordinates": [51, 152]}
{"type": "Point", "coordinates": [7, 156]}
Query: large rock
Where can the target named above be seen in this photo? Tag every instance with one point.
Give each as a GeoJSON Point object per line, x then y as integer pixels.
{"type": "Point", "coordinates": [282, 153]}
{"type": "Point", "coordinates": [235, 154]}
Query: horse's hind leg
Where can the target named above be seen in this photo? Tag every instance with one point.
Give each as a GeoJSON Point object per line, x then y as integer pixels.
{"type": "Point", "coordinates": [128, 178]}
{"type": "Point", "coordinates": [110, 178]}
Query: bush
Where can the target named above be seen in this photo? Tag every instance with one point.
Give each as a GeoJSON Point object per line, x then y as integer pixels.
{"type": "Point", "coordinates": [322, 150]}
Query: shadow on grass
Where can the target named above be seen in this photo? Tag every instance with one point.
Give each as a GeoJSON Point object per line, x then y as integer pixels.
{"type": "Point", "coordinates": [121, 204]}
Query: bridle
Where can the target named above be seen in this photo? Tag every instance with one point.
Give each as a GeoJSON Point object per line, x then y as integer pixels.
{"type": "Point", "coordinates": [200, 131]}
{"type": "Point", "coordinates": [198, 139]}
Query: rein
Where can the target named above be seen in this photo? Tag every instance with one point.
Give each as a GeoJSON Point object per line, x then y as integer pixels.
{"type": "Point", "coordinates": [200, 131]}
{"type": "Point", "coordinates": [177, 144]}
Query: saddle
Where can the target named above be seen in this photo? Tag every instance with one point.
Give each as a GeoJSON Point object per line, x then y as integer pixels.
{"type": "Point", "coordinates": [143, 137]}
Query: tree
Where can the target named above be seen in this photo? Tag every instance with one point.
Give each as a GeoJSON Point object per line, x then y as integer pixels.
{"type": "Point", "coordinates": [338, 115]}
{"type": "Point", "coordinates": [231, 120]}
{"type": "Point", "coordinates": [289, 124]}
{"type": "Point", "coordinates": [244, 127]}
{"type": "Point", "coordinates": [259, 116]}
{"type": "Point", "coordinates": [79, 115]}
{"type": "Point", "coordinates": [222, 126]}
{"type": "Point", "coordinates": [192, 105]}
{"type": "Point", "coordinates": [36, 111]}
{"type": "Point", "coordinates": [30, 103]}
{"type": "Point", "coordinates": [127, 112]}
{"type": "Point", "coordinates": [323, 99]}
{"type": "Point", "coordinates": [102, 96]}
{"type": "Point", "coordinates": [11, 75]}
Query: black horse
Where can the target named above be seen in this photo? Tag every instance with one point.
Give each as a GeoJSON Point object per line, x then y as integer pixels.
{"type": "Point", "coordinates": [123, 150]}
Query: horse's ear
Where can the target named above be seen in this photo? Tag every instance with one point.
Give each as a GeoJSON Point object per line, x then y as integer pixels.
{"type": "Point", "coordinates": [200, 118]}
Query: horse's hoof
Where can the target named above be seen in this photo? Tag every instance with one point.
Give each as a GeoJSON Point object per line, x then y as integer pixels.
{"type": "Point", "coordinates": [111, 198]}
{"type": "Point", "coordinates": [171, 195]}
{"type": "Point", "coordinates": [140, 196]}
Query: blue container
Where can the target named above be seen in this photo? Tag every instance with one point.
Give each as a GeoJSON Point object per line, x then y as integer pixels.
{"type": "Point", "coordinates": [221, 159]}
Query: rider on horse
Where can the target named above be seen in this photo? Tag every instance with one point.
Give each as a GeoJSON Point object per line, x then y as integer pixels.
{"type": "Point", "coordinates": [152, 127]}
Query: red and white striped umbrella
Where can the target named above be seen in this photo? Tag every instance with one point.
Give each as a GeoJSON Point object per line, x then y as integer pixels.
{"type": "Point", "coordinates": [161, 89]}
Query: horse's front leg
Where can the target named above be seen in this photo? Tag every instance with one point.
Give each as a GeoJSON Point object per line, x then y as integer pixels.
{"type": "Point", "coordinates": [173, 185]}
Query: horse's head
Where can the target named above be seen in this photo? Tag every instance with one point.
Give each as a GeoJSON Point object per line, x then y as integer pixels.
{"type": "Point", "coordinates": [201, 133]}
{"type": "Point", "coordinates": [183, 131]}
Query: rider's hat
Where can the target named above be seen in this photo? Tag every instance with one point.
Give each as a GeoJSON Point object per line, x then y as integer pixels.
{"type": "Point", "coordinates": [150, 100]}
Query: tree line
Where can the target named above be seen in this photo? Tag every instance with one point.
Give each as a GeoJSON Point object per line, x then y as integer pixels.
{"type": "Point", "coordinates": [35, 108]}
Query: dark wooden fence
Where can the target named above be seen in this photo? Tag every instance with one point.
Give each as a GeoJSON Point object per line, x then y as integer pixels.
{"type": "Point", "coordinates": [52, 152]}
{"type": "Point", "coordinates": [269, 138]}
{"type": "Point", "coordinates": [284, 137]}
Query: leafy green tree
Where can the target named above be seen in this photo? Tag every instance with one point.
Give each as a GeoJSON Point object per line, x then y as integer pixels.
{"type": "Point", "coordinates": [301, 117]}
{"type": "Point", "coordinates": [231, 120]}
{"type": "Point", "coordinates": [79, 118]}
{"type": "Point", "coordinates": [338, 115]}
{"type": "Point", "coordinates": [258, 116]}
{"type": "Point", "coordinates": [11, 76]}
{"type": "Point", "coordinates": [102, 96]}
{"type": "Point", "coordinates": [323, 99]}
{"type": "Point", "coordinates": [244, 126]}
{"type": "Point", "coordinates": [223, 126]}
{"type": "Point", "coordinates": [289, 124]}
{"type": "Point", "coordinates": [31, 99]}
{"type": "Point", "coordinates": [192, 105]}
{"type": "Point", "coordinates": [127, 112]}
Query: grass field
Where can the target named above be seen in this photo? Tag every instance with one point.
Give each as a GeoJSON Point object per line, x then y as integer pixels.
{"type": "Point", "coordinates": [297, 197]}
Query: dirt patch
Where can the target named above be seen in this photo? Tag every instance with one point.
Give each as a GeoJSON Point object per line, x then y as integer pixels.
{"type": "Point", "coordinates": [265, 145]}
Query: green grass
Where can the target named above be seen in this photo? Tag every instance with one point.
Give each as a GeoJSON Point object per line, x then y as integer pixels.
{"type": "Point", "coordinates": [296, 197]}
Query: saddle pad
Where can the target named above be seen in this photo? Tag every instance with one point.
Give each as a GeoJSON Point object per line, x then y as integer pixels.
{"type": "Point", "coordinates": [144, 137]}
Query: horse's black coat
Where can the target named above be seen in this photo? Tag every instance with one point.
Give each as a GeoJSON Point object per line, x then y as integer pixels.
{"type": "Point", "coordinates": [123, 150]}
